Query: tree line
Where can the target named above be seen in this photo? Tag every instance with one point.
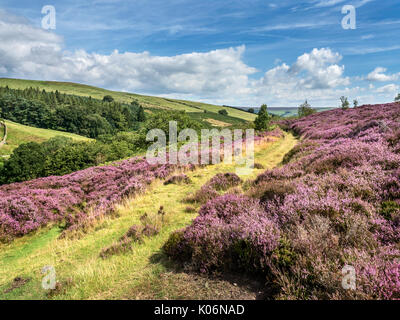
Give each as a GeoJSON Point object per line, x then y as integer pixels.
{"type": "Point", "coordinates": [61, 155]}
{"type": "Point", "coordinates": [80, 115]}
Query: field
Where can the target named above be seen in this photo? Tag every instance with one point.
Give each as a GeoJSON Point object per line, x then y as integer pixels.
{"type": "Point", "coordinates": [124, 97]}
{"type": "Point", "coordinates": [18, 134]}
{"type": "Point", "coordinates": [144, 272]}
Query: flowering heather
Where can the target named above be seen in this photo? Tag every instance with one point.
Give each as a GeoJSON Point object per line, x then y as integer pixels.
{"type": "Point", "coordinates": [224, 181]}
{"type": "Point", "coordinates": [228, 232]}
{"type": "Point", "coordinates": [335, 202]}
{"type": "Point", "coordinates": [82, 196]}
{"type": "Point", "coordinates": [26, 206]}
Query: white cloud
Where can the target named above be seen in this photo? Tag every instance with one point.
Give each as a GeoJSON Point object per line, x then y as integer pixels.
{"type": "Point", "coordinates": [327, 3]}
{"type": "Point", "coordinates": [316, 70]}
{"type": "Point", "coordinates": [218, 76]}
{"type": "Point", "coordinates": [379, 75]}
{"type": "Point", "coordinates": [390, 88]}
{"type": "Point", "coordinates": [31, 52]}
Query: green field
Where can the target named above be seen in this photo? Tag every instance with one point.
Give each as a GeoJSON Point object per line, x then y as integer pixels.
{"type": "Point", "coordinates": [19, 134]}
{"type": "Point", "coordinates": [125, 97]}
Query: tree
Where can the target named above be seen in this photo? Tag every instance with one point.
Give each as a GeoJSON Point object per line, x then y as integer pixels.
{"type": "Point", "coordinates": [345, 102]}
{"type": "Point", "coordinates": [262, 121]}
{"type": "Point", "coordinates": [251, 110]}
{"type": "Point", "coordinates": [305, 110]}
{"type": "Point", "coordinates": [223, 112]}
{"type": "Point", "coordinates": [108, 98]}
{"type": "Point", "coordinates": [355, 102]}
{"type": "Point", "coordinates": [397, 99]}
{"type": "Point", "coordinates": [140, 115]}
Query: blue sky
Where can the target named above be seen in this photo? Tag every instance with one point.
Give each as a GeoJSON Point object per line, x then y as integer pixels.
{"type": "Point", "coordinates": [227, 52]}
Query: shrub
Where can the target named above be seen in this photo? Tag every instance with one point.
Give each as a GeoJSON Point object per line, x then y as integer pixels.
{"type": "Point", "coordinates": [274, 190]}
{"type": "Point", "coordinates": [108, 99]}
{"type": "Point", "coordinates": [203, 195]}
{"type": "Point", "coordinates": [176, 248]}
{"type": "Point", "coordinates": [231, 231]}
{"type": "Point", "coordinates": [224, 181]}
{"type": "Point", "coordinates": [305, 110]}
{"type": "Point", "coordinates": [223, 112]}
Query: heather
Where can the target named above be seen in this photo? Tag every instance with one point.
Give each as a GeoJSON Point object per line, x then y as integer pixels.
{"type": "Point", "coordinates": [74, 197]}
{"type": "Point", "coordinates": [213, 187]}
{"type": "Point", "coordinates": [335, 201]}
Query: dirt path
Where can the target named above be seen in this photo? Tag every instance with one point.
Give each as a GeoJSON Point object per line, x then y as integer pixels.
{"type": "Point", "coordinates": [143, 273]}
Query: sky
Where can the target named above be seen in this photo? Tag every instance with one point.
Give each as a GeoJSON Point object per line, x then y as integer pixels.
{"type": "Point", "coordinates": [239, 53]}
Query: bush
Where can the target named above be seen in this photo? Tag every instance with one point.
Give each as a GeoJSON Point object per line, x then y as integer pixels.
{"type": "Point", "coordinates": [231, 232]}
{"type": "Point", "coordinates": [274, 190]}
{"type": "Point", "coordinates": [176, 248]}
{"type": "Point", "coordinates": [203, 195]}
{"type": "Point", "coordinates": [108, 99]}
{"type": "Point", "coordinates": [224, 181]}
{"type": "Point", "coordinates": [223, 112]}
{"type": "Point", "coordinates": [305, 110]}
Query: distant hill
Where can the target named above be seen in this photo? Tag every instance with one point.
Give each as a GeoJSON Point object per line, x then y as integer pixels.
{"type": "Point", "coordinates": [148, 102]}
{"type": "Point", "coordinates": [19, 134]}
{"type": "Point", "coordinates": [281, 111]}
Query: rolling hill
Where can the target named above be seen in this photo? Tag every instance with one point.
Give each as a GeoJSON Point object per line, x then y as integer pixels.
{"type": "Point", "coordinates": [18, 134]}
{"type": "Point", "coordinates": [148, 102]}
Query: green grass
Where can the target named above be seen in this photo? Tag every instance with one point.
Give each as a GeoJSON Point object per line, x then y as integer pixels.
{"type": "Point", "coordinates": [136, 274]}
{"type": "Point", "coordinates": [125, 97]}
{"type": "Point", "coordinates": [18, 134]}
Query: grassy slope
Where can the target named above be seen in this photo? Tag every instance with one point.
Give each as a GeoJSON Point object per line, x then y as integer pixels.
{"type": "Point", "coordinates": [124, 97]}
{"type": "Point", "coordinates": [18, 134]}
{"type": "Point", "coordinates": [144, 273]}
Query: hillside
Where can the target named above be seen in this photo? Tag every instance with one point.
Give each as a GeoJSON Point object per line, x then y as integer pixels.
{"type": "Point", "coordinates": [18, 134]}
{"type": "Point", "coordinates": [320, 207]}
{"type": "Point", "coordinates": [148, 102]}
{"type": "Point", "coordinates": [141, 271]}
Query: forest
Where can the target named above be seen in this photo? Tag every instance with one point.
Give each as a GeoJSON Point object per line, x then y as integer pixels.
{"type": "Point", "coordinates": [80, 115]}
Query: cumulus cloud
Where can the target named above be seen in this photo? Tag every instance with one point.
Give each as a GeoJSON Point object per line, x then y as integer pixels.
{"type": "Point", "coordinates": [390, 88]}
{"type": "Point", "coordinates": [218, 76]}
{"type": "Point", "coordinates": [317, 70]}
{"type": "Point", "coordinates": [379, 75]}
{"type": "Point", "coordinates": [31, 52]}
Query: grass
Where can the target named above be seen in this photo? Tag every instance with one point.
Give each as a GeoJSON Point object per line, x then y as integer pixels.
{"type": "Point", "coordinates": [19, 134]}
{"type": "Point", "coordinates": [142, 273]}
{"type": "Point", "coordinates": [125, 97]}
